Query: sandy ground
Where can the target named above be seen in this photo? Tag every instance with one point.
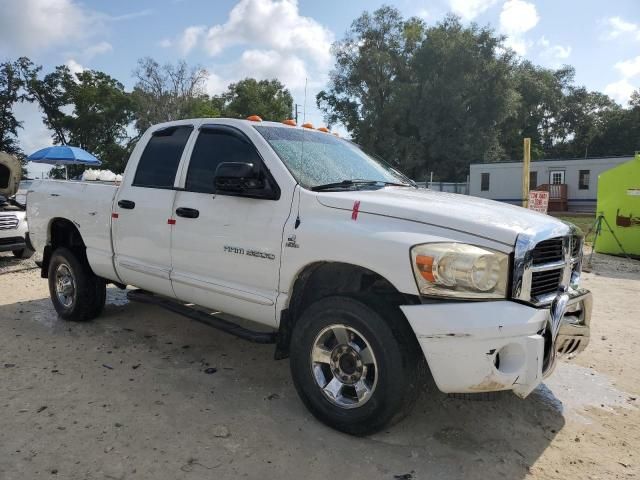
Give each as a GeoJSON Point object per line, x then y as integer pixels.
{"type": "Point", "coordinates": [128, 396]}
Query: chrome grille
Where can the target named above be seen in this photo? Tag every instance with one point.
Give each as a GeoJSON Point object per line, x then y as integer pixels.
{"type": "Point", "coordinates": [545, 263]}
{"type": "Point", "coordinates": [548, 251]}
{"type": "Point", "coordinates": [8, 222]}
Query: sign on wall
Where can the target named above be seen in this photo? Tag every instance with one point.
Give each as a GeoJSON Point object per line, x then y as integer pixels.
{"type": "Point", "coordinates": [538, 201]}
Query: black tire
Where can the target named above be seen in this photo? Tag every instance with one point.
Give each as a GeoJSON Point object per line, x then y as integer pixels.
{"type": "Point", "coordinates": [400, 365]}
{"type": "Point", "coordinates": [24, 253]}
{"type": "Point", "coordinates": [89, 291]}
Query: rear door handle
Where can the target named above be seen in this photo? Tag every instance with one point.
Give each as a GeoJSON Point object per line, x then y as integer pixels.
{"type": "Point", "coordinates": [187, 212]}
{"type": "Point", "coordinates": [127, 204]}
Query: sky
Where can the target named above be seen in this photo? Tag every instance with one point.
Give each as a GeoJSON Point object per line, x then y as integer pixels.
{"type": "Point", "coordinates": [291, 40]}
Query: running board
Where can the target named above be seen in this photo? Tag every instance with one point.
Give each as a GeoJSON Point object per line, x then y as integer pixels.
{"type": "Point", "coordinates": [218, 321]}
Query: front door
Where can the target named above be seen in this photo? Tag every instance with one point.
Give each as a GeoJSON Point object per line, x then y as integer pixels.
{"type": "Point", "coordinates": [226, 249]}
{"type": "Point", "coordinates": [556, 177]}
{"type": "Point", "coordinates": [141, 230]}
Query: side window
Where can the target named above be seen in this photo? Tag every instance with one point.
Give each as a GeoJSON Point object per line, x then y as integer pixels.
{"type": "Point", "coordinates": [159, 162]}
{"type": "Point", "coordinates": [484, 182]}
{"type": "Point", "coordinates": [213, 147]}
{"type": "Point", "coordinates": [583, 180]}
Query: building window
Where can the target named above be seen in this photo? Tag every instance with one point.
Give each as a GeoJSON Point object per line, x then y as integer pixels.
{"type": "Point", "coordinates": [583, 180]}
{"type": "Point", "coordinates": [533, 180]}
{"type": "Point", "coordinates": [556, 177]}
{"type": "Point", "coordinates": [484, 182]}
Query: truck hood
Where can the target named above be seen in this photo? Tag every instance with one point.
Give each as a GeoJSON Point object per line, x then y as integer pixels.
{"type": "Point", "coordinates": [498, 221]}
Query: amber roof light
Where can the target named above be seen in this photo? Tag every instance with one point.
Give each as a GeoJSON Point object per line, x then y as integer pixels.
{"type": "Point", "coordinates": [323, 129]}
{"type": "Point", "coordinates": [290, 122]}
{"type": "Point", "coordinates": [254, 118]}
{"type": "Point", "coordinates": [307, 125]}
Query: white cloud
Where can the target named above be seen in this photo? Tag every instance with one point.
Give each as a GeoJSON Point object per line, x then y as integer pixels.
{"type": "Point", "coordinates": [30, 25]}
{"type": "Point", "coordinates": [271, 24]}
{"type": "Point", "coordinates": [618, 27]}
{"type": "Point", "coordinates": [517, 18]}
{"type": "Point", "coordinates": [97, 49]}
{"type": "Point", "coordinates": [166, 43]}
{"type": "Point", "coordinates": [74, 67]}
{"type": "Point", "coordinates": [131, 15]}
{"type": "Point", "coordinates": [470, 9]}
{"type": "Point", "coordinates": [621, 90]}
{"type": "Point", "coordinates": [190, 38]}
{"type": "Point", "coordinates": [552, 55]}
{"type": "Point", "coordinates": [629, 68]}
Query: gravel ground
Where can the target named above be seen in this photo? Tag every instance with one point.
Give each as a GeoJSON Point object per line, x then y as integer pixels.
{"type": "Point", "coordinates": [141, 393]}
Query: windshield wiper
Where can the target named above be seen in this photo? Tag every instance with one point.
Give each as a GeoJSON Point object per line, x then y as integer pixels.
{"type": "Point", "coordinates": [354, 183]}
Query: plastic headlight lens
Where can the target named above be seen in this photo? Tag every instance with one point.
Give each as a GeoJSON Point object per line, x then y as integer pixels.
{"type": "Point", "coordinates": [460, 270]}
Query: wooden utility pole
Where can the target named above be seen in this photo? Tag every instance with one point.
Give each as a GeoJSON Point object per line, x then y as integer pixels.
{"type": "Point", "coordinates": [525, 172]}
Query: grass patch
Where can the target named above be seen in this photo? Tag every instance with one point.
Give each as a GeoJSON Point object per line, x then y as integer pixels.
{"type": "Point", "coordinates": [583, 222]}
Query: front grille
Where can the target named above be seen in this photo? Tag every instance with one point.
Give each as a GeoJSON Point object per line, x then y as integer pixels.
{"type": "Point", "coordinates": [548, 251]}
{"type": "Point", "coordinates": [543, 283]}
{"type": "Point", "coordinates": [8, 222]}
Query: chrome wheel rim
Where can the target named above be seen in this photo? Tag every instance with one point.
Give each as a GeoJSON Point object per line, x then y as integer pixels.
{"type": "Point", "coordinates": [344, 366]}
{"type": "Point", "coordinates": [65, 285]}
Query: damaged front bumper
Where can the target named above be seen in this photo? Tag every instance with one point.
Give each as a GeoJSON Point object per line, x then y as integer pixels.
{"type": "Point", "coordinates": [476, 347]}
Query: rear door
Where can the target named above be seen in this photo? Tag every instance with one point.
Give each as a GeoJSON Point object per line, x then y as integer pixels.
{"type": "Point", "coordinates": [226, 248]}
{"type": "Point", "coordinates": [142, 212]}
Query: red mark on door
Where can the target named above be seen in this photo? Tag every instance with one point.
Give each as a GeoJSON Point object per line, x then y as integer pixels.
{"type": "Point", "coordinates": [356, 209]}
{"type": "Point", "coordinates": [171, 221]}
{"type": "Point", "coordinates": [114, 215]}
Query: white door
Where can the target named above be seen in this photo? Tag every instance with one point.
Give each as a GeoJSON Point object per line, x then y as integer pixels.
{"type": "Point", "coordinates": [556, 177]}
{"type": "Point", "coordinates": [226, 249]}
{"type": "Point", "coordinates": [141, 226]}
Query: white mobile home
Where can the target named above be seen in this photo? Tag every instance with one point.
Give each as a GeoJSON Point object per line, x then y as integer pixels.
{"type": "Point", "coordinates": [572, 183]}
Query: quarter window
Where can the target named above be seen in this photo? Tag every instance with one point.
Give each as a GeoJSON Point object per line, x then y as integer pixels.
{"type": "Point", "coordinates": [583, 180]}
{"type": "Point", "coordinates": [213, 147]}
{"type": "Point", "coordinates": [159, 161]}
{"type": "Point", "coordinates": [484, 182]}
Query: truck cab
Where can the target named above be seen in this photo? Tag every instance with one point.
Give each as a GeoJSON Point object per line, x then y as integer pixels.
{"type": "Point", "coordinates": [367, 282]}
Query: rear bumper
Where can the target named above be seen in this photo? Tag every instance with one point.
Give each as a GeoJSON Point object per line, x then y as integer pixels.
{"type": "Point", "coordinates": [490, 346]}
{"type": "Point", "coordinates": [9, 244]}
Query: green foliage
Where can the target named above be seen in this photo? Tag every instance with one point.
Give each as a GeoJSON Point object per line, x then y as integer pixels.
{"type": "Point", "coordinates": [440, 97]}
{"type": "Point", "coordinates": [101, 111]}
{"type": "Point", "coordinates": [10, 84]}
{"type": "Point", "coordinates": [268, 99]}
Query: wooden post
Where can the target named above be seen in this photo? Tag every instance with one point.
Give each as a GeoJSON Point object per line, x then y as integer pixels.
{"type": "Point", "coordinates": [525, 172]}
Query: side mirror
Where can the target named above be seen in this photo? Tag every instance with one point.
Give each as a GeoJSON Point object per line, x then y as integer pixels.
{"type": "Point", "coordinates": [237, 178]}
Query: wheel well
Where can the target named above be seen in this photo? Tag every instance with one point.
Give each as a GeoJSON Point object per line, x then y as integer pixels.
{"type": "Point", "coordinates": [324, 279]}
{"type": "Point", "coordinates": [62, 233]}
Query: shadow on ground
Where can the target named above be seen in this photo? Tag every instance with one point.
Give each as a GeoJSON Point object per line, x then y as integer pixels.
{"type": "Point", "coordinates": [143, 393]}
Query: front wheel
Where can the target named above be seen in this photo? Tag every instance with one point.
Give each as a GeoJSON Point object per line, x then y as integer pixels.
{"type": "Point", "coordinates": [355, 364]}
{"type": "Point", "coordinates": [76, 292]}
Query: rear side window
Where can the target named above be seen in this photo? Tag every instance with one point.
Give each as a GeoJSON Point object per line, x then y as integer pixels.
{"type": "Point", "coordinates": [214, 146]}
{"type": "Point", "coordinates": [159, 162]}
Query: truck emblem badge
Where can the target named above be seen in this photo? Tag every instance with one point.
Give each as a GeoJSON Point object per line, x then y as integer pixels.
{"type": "Point", "coordinates": [356, 209]}
{"type": "Point", "coordinates": [251, 253]}
{"type": "Point", "coordinates": [291, 242]}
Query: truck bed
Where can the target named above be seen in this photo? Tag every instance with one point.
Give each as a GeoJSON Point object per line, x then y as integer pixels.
{"type": "Point", "coordinates": [87, 204]}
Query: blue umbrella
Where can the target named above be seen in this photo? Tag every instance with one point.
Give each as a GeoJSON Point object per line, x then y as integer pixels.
{"type": "Point", "coordinates": [64, 155]}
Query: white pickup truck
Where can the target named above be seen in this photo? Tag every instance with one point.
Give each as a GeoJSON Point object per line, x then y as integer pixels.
{"type": "Point", "coordinates": [360, 278]}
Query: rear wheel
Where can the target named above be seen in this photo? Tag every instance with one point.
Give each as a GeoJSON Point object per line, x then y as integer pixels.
{"type": "Point", "coordinates": [76, 292]}
{"type": "Point", "coordinates": [356, 364]}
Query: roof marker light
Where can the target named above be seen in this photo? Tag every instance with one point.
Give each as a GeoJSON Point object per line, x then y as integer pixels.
{"type": "Point", "coordinates": [290, 122]}
{"type": "Point", "coordinates": [323, 129]}
{"type": "Point", "coordinates": [307, 125]}
{"type": "Point", "coordinates": [254, 118]}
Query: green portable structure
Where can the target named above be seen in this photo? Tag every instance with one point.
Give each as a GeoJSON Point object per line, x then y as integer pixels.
{"type": "Point", "coordinates": [619, 203]}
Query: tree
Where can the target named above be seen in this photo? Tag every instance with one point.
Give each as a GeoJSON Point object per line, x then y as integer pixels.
{"type": "Point", "coordinates": [268, 99]}
{"type": "Point", "coordinates": [371, 82]}
{"type": "Point", "coordinates": [169, 92]}
{"type": "Point", "coordinates": [10, 84]}
{"type": "Point", "coordinates": [101, 111]}
{"type": "Point", "coordinates": [463, 94]}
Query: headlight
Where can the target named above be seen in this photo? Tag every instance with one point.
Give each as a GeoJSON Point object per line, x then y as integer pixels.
{"type": "Point", "coordinates": [459, 270]}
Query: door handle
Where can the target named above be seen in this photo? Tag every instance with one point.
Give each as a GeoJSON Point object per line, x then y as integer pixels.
{"type": "Point", "coordinates": [187, 212]}
{"type": "Point", "coordinates": [127, 204]}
